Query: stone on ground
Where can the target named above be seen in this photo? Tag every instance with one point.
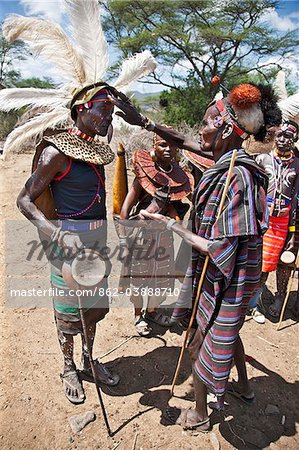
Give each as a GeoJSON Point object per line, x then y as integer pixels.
{"type": "Point", "coordinates": [77, 423]}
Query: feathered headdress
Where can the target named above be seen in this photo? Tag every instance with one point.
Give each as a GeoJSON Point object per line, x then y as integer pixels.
{"type": "Point", "coordinates": [289, 105]}
{"type": "Point", "coordinates": [81, 65]}
{"type": "Point", "coordinates": [249, 109]}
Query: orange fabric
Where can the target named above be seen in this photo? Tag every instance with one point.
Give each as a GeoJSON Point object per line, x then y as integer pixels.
{"type": "Point", "coordinates": [273, 241]}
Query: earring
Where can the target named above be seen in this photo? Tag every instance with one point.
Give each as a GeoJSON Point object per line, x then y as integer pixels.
{"type": "Point", "coordinates": [267, 138]}
{"type": "Point", "coordinates": [177, 155]}
{"type": "Point", "coordinates": [227, 131]}
{"type": "Point", "coordinates": [109, 133]}
{"type": "Point", "coordinates": [153, 155]}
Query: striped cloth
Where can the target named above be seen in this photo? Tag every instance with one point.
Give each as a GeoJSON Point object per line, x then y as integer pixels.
{"type": "Point", "coordinates": [233, 273]}
{"type": "Point", "coordinates": [274, 241]}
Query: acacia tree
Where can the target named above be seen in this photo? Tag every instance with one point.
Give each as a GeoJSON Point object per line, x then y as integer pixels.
{"type": "Point", "coordinates": [198, 39]}
{"type": "Point", "coordinates": [10, 52]}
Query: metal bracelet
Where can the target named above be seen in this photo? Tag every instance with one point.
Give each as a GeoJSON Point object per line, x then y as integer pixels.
{"type": "Point", "coordinates": [55, 235]}
{"type": "Point", "coordinates": [123, 241]}
{"type": "Point", "coordinates": [170, 224]}
{"type": "Point", "coordinates": [148, 124]}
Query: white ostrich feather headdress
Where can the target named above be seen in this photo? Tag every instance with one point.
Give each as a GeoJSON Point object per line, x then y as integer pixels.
{"type": "Point", "coordinates": [289, 105]}
{"type": "Point", "coordinates": [81, 64]}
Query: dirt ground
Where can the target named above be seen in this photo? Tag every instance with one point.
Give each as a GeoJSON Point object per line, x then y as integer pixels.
{"type": "Point", "coordinates": [35, 412]}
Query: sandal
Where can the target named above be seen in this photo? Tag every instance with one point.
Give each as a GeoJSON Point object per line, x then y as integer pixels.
{"type": "Point", "coordinates": [258, 316]}
{"type": "Point", "coordinates": [72, 387]}
{"type": "Point", "coordinates": [158, 318]}
{"type": "Point", "coordinates": [233, 390]}
{"type": "Point", "coordinates": [142, 327]}
{"type": "Point", "coordinates": [103, 374]}
{"type": "Point", "coordinates": [182, 420]}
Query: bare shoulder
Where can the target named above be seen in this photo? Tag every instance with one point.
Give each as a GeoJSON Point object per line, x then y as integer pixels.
{"type": "Point", "coordinates": [50, 155]}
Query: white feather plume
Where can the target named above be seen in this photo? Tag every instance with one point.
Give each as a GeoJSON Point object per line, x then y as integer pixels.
{"type": "Point", "coordinates": [218, 96]}
{"type": "Point", "coordinates": [34, 128]}
{"type": "Point", "coordinates": [47, 39]}
{"type": "Point", "coordinates": [290, 106]}
{"type": "Point", "coordinates": [15, 98]}
{"type": "Point", "coordinates": [279, 85]}
{"type": "Point", "coordinates": [86, 27]}
{"type": "Point", "coordinates": [139, 65]}
{"type": "Point", "coordinates": [80, 64]}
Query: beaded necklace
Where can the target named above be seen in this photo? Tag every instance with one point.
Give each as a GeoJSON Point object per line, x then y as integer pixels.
{"type": "Point", "coordinates": [164, 170]}
{"type": "Point", "coordinates": [84, 136]}
{"type": "Point", "coordinates": [280, 166]}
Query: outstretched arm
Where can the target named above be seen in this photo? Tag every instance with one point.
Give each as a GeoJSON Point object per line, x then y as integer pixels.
{"type": "Point", "coordinates": [197, 242]}
{"type": "Point", "coordinates": [130, 115]}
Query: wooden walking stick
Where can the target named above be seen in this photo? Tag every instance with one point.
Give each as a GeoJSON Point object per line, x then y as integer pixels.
{"type": "Point", "coordinates": [92, 367]}
{"type": "Point", "coordinates": [203, 273]}
{"type": "Point", "coordinates": [290, 284]}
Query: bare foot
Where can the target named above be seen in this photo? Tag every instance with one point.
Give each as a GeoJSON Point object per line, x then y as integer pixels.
{"type": "Point", "coordinates": [188, 419]}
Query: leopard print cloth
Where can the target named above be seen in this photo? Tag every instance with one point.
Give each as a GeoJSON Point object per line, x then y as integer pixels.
{"type": "Point", "coordinates": [91, 152]}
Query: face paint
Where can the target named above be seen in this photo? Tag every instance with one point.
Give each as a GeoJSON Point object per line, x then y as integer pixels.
{"type": "Point", "coordinates": [218, 122]}
{"type": "Point", "coordinates": [285, 138]}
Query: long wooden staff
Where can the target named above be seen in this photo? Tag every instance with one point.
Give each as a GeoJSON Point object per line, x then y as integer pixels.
{"type": "Point", "coordinates": [203, 273]}
{"type": "Point", "coordinates": [94, 374]}
{"type": "Point", "coordinates": [290, 284]}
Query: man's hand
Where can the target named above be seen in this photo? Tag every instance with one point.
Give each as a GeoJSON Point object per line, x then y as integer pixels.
{"type": "Point", "coordinates": [128, 112]}
{"type": "Point", "coordinates": [161, 221]}
{"type": "Point", "coordinates": [70, 243]}
{"type": "Point", "coordinates": [290, 242]}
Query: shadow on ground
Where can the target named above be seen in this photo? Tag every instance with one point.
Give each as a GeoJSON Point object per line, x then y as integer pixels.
{"type": "Point", "coordinates": [243, 426]}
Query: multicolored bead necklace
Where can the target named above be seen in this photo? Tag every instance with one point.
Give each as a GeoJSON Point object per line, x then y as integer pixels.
{"type": "Point", "coordinates": [283, 156]}
{"type": "Point", "coordinates": [79, 133]}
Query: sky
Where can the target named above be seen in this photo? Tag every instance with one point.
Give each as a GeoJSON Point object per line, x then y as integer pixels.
{"type": "Point", "coordinates": [284, 18]}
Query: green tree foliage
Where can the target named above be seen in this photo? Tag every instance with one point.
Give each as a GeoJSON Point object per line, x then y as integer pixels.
{"type": "Point", "coordinates": [196, 40]}
{"type": "Point", "coordinates": [10, 52]}
{"type": "Point", "coordinates": [9, 77]}
{"type": "Point", "coordinates": [45, 83]}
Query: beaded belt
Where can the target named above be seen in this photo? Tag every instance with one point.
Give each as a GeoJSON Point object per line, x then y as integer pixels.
{"type": "Point", "coordinates": [78, 225]}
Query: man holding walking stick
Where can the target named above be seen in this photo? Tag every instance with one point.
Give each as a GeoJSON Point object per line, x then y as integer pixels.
{"type": "Point", "coordinates": [232, 240]}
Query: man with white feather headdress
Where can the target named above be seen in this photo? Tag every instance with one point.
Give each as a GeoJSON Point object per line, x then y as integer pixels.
{"type": "Point", "coordinates": [65, 195]}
